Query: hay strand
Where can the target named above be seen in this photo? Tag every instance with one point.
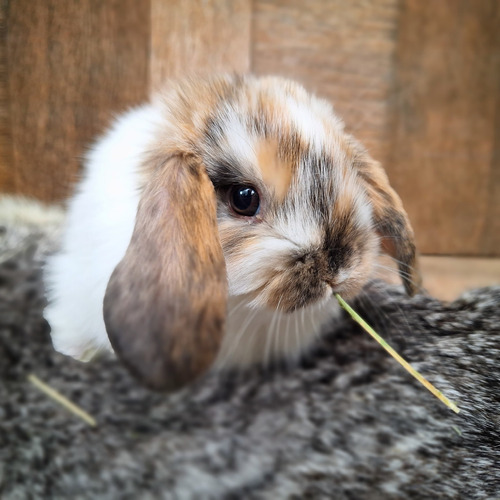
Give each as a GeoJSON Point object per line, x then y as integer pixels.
{"type": "Point", "coordinates": [62, 400]}
{"type": "Point", "coordinates": [356, 317]}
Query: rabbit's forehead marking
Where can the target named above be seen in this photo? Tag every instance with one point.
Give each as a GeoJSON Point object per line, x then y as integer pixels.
{"type": "Point", "coordinates": [276, 171]}
{"type": "Point", "coordinates": [235, 138]}
{"type": "Point", "coordinates": [307, 122]}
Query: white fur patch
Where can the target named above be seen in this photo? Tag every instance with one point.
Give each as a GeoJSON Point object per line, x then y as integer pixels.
{"type": "Point", "coordinates": [100, 222]}
{"type": "Point", "coordinates": [301, 228]}
{"type": "Point", "coordinates": [238, 139]}
{"type": "Point", "coordinates": [363, 212]}
{"type": "Point", "coordinates": [250, 271]}
{"type": "Point", "coordinates": [308, 123]}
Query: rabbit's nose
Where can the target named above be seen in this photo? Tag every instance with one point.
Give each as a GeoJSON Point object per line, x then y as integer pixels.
{"type": "Point", "coordinates": [319, 266]}
{"type": "Point", "coordinates": [305, 258]}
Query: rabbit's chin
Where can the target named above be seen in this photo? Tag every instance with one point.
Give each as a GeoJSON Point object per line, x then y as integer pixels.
{"type": "Point", "coordinates": [262, 335]}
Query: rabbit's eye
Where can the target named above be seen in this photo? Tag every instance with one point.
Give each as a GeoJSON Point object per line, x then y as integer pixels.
{"type": "Point", "coordinates": [244, 200]}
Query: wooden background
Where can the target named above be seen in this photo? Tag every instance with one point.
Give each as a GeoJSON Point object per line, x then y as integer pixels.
{"type": "Point", "coordinates": [417, 82]}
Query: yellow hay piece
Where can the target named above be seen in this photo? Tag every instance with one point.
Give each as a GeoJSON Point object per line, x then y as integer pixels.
{"type": "Point", "coordinates": [59, 398]}
{"type": "Point", "coordinates": [356, 317]}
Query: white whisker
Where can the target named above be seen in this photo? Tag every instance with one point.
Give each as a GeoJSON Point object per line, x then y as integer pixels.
{"type": "Point", "coordinates": [276, 334]}
{"type": "Point", "coordinates": [287, 335]}
{"type": "Point", "coordinates": [269, 334]}
{"type": "Point", "coordinates": [397, 272]}
{"type": "Point", "coordinates": [236, 341]}
{"type": "Point", "coordinates": [296, 331]}
{"type": "Point", "coordinates": [237, 308]}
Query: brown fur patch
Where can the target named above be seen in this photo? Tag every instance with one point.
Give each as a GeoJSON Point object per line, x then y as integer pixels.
{"type": "Point", "coordinates": [276, 171]}
{"type": "Point", "coordinates": [165, 304]}
{"type": "Point", "coordinates": [301, 285]}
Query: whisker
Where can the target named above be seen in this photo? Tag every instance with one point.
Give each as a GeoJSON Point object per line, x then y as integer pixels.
{"type": "Point", "coordinates": [235, 342]}
{"type": "Point", "coordinates": [269, 333]}
{"type": "Point", "coordinates": [297, 334]}
{"type": "Point", "coordinates": [400, 262]}
{"type": "Point", "coordinates": [400, 273]}
{"type": "Point", "coordinates": [276, 333]}
{"type": "Point", "coordinates": [237, 308]}
{"type": "Point", "coordinates": [392, 270]}
{"type": "Point", "coordinates": [287, 339]}
{"type": "Point", "coordinates": [302, 320]}
{"type": "Point", "coordinates": [315, 323]}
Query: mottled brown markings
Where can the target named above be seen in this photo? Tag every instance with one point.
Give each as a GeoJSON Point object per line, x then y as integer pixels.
{"type": "Point", "coordinates": [345, 242]}
{"type": "Point", "coordinates": [391, 221]}
{"type": "Point", "coordinates": [165, 304]}
{"type": "Point", "coordinates": [232, 240]}
{"type": "Point", "coordinates": [299, 286]}
{"type": "Point", "coordinates": [338, 243]}
{"type": "Point", "coordinates": [279, 150]}
{"type": "Point", "coordinates": [190, 104]}
{"type": "Point", "coordinates": [291, 148]}
{"type": "Point", "coordinates": [317, 170]}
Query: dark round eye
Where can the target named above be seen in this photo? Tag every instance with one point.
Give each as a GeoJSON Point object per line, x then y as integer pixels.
{"type": "Point", "coordinates": [244, 200]}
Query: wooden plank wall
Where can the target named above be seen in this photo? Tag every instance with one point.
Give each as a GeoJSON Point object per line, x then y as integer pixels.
{"type": "Point", "coordinates": [199, 36]}
{"type": "Point", "coordinates": [417, 82]}
{"type": "Point", "coordinates": [446, 116]}
{"type": "Point", "coordinates": [6, 164]}
{"type": "Point", "coordinates": [70, 65]}
{"type": "Point", "coordinates": [341, 50]}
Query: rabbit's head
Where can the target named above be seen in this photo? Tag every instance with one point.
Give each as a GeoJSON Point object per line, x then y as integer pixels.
{"type": "Point", "coordinates": [252, 189]}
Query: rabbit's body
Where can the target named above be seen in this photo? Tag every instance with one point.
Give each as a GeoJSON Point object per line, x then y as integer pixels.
{"type": "Point", "coordinates": [212, 227]}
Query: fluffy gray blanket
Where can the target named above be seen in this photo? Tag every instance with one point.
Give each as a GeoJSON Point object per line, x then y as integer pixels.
{"type": "Point", "coordinates": [348, 423]}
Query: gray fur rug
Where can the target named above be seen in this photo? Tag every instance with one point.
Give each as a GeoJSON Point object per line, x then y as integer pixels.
{"type": "Point", "coordinates": [348, 423]}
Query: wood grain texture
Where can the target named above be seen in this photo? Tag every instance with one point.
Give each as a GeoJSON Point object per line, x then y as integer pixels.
{"type": "Point", "coordinates": [341, 50]}
{"type": "Point", "coordinates": [6, 179]}
{"type": "Point", "coordinates": [70, 66]}
{"type": "Point", "coordinates": [199, 37]}
{"type": "Point", "coordinates": [445, 161]}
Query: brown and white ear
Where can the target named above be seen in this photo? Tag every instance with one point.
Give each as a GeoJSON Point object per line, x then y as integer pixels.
{"type": "Point", "coordinates": [165, 304]}
{"type": "Point", "coordinates": [391, 222]}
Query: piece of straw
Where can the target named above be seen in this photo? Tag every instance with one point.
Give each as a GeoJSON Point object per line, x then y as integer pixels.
{"type": "Point", "coordinates": [356, 317]}
{"type": "Point", "coordinates": [59, 398]}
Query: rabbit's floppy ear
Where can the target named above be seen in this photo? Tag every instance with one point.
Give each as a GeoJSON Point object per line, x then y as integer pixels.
{"type": "Point", "coordinates": [165, 304]}
{"type": "Point", "coordinates": [391, 221]}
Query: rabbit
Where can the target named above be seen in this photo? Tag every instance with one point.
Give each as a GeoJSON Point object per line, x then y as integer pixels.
{"type": "Point", "coordinates": [212, 227]}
